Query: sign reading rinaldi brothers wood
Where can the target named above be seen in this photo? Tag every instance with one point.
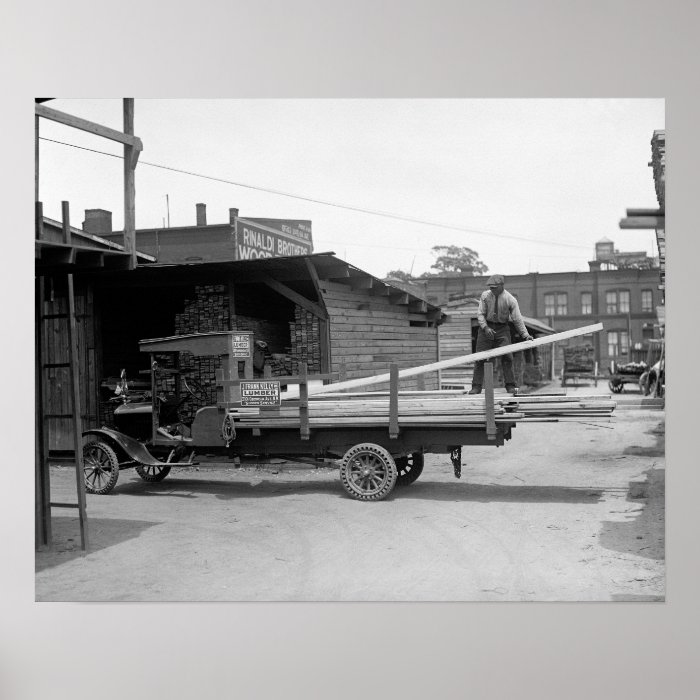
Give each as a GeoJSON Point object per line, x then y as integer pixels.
{"type": "Point", "coordinates": [272, 238]}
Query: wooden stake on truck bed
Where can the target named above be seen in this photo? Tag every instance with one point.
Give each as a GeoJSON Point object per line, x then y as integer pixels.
{"type": "Point", "coordinates": [456, 361]}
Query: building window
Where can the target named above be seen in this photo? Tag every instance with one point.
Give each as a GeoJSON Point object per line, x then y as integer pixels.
{"type": "Point", "coordinates": [549, 305]}
{"type": "Point", "coordinates": [617, 302]}
{"type": "Point", "coordinates": [555, 304]}
{"type": "Point", "coordinates": [561, 305]}
{"type": "Point", "coordinates": [586, 303]}
{"type": "Point", "coordinates": [624, 301]}
{"type": "Point", "coordinates": [647, 301]}
{"type": "Point", "coordinates": [624, 342]}
{"type": "Point", "coordinates": [618, 343]}
{"type": "Point", "coordinates": [610, 302]}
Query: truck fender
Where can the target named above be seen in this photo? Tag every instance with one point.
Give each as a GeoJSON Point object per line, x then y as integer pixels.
{"type": "Point", "coordinates": [133, 448]}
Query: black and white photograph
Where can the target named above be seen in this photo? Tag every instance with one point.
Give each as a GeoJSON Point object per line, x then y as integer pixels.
{"type": "Point", "coordinates": [350, 350]}
{"type": "Point", "coordinates": [343, 350]}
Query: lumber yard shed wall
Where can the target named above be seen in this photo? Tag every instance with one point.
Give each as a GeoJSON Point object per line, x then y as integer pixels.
{"type": "Point", "coordinates": [370, 332]}
{"type": "Point", "coordinates": [54, 351]}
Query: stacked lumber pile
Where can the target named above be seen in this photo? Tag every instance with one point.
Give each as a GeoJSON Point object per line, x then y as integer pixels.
{"type": "Point", "coordinates": [207, 312]}
{"type": "Point", "coordinates": [305, 334]}
{"type": "Point", "coordinates": [557, 407]}
{"type": "Point", "coordinates": [427, 408]}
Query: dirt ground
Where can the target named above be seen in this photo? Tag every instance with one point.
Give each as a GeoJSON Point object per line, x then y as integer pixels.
{"type": "Point", "coordinates": [562, 512]}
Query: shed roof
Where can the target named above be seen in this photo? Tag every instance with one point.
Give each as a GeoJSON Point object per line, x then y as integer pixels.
{"type": "Point", "coordinates": [84, 251]}
{"type": "Point", "coordinates": [290, 270]}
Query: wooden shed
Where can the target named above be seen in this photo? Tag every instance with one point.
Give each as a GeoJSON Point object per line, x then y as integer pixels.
{"type": "Point", "coordinates": [315, 310]}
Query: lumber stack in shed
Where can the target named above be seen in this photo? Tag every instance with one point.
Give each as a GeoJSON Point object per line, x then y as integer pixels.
{"type": "Point", "coordinates": [305, 336]}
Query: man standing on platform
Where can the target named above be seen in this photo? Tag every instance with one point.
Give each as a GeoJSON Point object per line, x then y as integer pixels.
{"type": "Point", "coordinates": [496, 308]}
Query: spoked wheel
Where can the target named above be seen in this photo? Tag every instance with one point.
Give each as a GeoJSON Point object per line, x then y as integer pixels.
{"type": "Point", "coordinates": [368, 472]}
{"type": "Point", "coordinates": [155, 473]}
{"type": "Point", "coordinates": [149, 473]}
{"type": "Point", "coordinates": [616, 388]}
{"type": "Point", "coordinates": [409, 468]}
{"type": "Point", "coordinates": [100, 467]}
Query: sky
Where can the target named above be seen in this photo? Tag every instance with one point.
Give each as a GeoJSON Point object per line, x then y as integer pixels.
{"type": "Point", "coordinates": [529, 184]}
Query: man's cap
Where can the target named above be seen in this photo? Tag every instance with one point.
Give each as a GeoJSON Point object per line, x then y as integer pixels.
{"type": "Point", "coordinates": [495, 280]}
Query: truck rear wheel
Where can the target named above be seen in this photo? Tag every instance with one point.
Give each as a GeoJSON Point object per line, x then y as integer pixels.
{"type": "Point", "coordinates": [368, 472]}
{"type": "Point", "coordinates": [409, 467]}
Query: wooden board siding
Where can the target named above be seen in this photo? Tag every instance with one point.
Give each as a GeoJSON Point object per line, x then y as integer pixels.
{"type": "Point", "coordinates": [368, 333]}
{"type": "Point", "coordinates": [57, 391]}
{"type": "Point", "coordinates": [456, 340]}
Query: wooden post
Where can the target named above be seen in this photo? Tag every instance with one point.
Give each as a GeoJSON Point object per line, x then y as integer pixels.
{"type": "Point", "coordinates": [488, 400]}
{"type": "Point", "coordinates": [129, 185]}
{"type": "Point", "coordinates": [77, 417]}
{"type": "Point", "coordinates": [39, 223]}
{"type": "Point", "coordinates": [65, 223]}
{"type": "Point", "coordinates": [154, 400]}
{"type": "Point", "coordinates": [42, 481]}
{"type": "Point", "coordinates": [303, 403]}
{"type": "Point", "coordinates": [393, 401]}
{"type": "Point", "coordinates": [36, 157]}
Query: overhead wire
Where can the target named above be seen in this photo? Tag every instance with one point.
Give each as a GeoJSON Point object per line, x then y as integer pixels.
{"type": "Point", "coordinates": [374, 212]}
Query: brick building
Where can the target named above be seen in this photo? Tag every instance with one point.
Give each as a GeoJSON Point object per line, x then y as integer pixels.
{"type": "Point", "coordinates": [620, 290]}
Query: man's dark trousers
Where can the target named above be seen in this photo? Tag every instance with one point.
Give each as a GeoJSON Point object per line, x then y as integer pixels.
{"type": "Point", "coordinates": [502, 331]}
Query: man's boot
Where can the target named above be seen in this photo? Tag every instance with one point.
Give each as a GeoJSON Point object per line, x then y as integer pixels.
{"type": "Point", "coordinates": [475, 390]}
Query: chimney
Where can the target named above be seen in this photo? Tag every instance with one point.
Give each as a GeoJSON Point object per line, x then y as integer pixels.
{"type": "Point", "coordinates": [201, 214]}
{"type": "Point", "coordinates": [232, 215]}
{"type": "Point", "coordinates": [97, 221]}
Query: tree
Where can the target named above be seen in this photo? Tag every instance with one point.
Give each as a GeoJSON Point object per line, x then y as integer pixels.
{"type": "Point", "coordinates": [453, 258]}
{"type": "Point", "coordinates": [399, 275]}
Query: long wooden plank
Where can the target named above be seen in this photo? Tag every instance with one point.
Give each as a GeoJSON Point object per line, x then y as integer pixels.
{"type": "Point", "coordinates": [464, 359]}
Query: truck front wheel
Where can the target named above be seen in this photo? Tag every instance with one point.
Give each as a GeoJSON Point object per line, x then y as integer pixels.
{"type": "Point", "coordinates": [100, 467]}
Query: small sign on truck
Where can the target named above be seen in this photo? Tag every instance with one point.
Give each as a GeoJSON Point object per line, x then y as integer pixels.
{"type": "Point", "coordinates": [260, 393]}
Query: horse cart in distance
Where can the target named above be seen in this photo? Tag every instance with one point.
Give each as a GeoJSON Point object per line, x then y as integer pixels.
{"type": "Point", "coordinates": [579, 364]}
{"type": "Point", "coordinates": [622, 373]}
{"type": "Point", "coordinates": [255, 416]}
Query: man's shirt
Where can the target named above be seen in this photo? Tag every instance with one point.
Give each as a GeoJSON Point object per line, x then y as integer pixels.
{"type": "Point", "coordinates": [500, 309]}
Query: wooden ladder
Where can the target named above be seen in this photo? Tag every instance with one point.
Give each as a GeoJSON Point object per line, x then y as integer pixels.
{"type": "Point", "coordinates": [43, 534]}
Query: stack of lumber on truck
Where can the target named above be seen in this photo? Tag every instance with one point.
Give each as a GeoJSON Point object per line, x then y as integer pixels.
{"type": "Point", "coordinates": [428, 408]}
